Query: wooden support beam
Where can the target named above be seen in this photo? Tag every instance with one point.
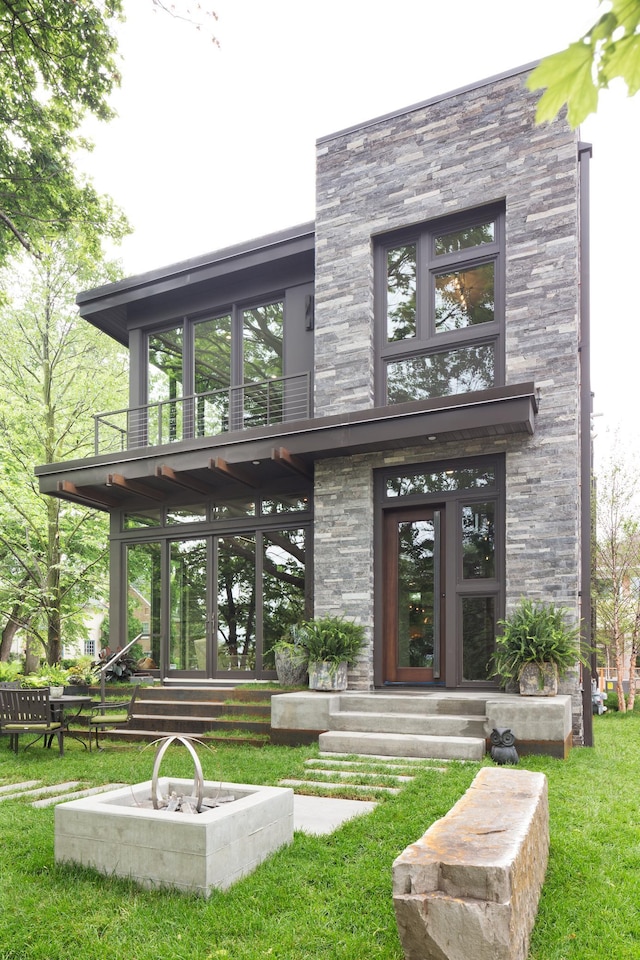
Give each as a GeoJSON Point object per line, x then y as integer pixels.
{"type": "Point", "coordinates": [86, 495]}
{"type": "Point", "coordinates": [134, 486]}
{"type": "Point", "coordinates": [293, 463]}
{"type": "Point", "coordinates": [183, 479]}
{"type": "Point", "coordinates": [230, 472]}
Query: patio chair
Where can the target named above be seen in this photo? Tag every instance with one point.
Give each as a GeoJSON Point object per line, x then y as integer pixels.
{"type": "Point", "coordinates": [104, 715]}
{"type": "Point", "coordinates": [29, 711]}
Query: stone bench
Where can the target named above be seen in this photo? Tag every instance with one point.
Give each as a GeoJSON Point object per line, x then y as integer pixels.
{"type": "Point", "coordinates": [469, 888]}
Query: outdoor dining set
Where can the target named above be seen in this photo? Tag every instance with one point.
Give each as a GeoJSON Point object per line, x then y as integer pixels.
{"type": "Point", "coordinates": [36, 712]}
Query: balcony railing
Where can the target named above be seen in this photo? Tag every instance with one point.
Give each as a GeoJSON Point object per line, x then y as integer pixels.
{"type": "Point", "coordinates": [261, 404]}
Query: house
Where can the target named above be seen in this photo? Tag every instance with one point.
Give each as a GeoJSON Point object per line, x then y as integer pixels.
{"type": "Point", "coordinates": [382, 414]}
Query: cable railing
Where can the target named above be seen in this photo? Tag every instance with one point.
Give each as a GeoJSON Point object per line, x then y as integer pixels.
{"type": "Point", "coordinates": [265, 403]}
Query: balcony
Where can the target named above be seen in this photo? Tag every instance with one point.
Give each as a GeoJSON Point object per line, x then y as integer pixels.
{"type": "Point", "coordinates": [261, 404]}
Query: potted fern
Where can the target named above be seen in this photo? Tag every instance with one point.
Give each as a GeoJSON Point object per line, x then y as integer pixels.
{"type": "Point", "coordinates": [331, 645]}
{"type": "Point", "coordinates": [535, 648]}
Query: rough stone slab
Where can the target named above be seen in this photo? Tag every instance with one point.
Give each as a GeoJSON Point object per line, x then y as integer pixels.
{"type": "Point", "coordinates": [403, 744]}
{"type": "Point", "coordinates": [469, 888]}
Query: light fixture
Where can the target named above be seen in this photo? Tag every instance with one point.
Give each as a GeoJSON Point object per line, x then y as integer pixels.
{"type": "Point", "coordinates": [432, 437]}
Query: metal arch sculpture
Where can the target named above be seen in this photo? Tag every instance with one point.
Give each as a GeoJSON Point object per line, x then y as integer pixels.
{"type": "Point", "coordinates": [198, 780]}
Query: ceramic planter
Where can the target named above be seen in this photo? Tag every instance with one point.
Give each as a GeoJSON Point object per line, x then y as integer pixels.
{"type": "Point", "coordinates": [290, 672]}
{"type": "Point", "coordinates": [328, 676]}
{"type": "Point", "coordinates": [539, 681]}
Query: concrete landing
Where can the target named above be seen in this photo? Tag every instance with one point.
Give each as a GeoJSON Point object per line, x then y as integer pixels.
{"type": "Point", "coordinates": [322, 815]}
{"type": "Point", "coordinates": [403, 744]}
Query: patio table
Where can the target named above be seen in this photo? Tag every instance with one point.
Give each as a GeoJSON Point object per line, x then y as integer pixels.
{"type": "Point", "coordinates": [63, 712]}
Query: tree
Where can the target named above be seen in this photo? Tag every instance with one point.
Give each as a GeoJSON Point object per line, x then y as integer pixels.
{"type": "Point", "coordinates": [58, 64]}
{"type": "Point", "coordinates": [575, 76]}
{"type": "Point", "coordinates": [617, 557]}
{"type": "Point", "coordinates": [55, 371]}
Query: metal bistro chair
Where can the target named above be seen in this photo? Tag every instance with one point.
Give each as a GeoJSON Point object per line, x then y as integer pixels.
{"type": "Point", "coordinates": [105, 715]}
{"type": "Point", "coordinates": [28, 711]}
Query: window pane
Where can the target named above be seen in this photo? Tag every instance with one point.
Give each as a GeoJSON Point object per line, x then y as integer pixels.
{"type": "Point", "coordinates": [164, 386]}
{"type": "Point", "coordinates": [143, 597]}
{"type": "Point", "coordinates": [142, 518]}
{"type": "Point", "coordinates": [440, 481]}
{"type": "Point", "coordinates": [262, 346]}
{"type": "Point", "coordinates": [212, 375]}
{"type": "Point", "coordinates": [464, 298]}
{"type": "Point", "coordinates": [188, 605]}
{"type": "Point", "coordinates": [283, 587]}
{"type": "Point", "coordinates": [478, 636]}
{"type": "Point", "coordinates": [194, 514]}
{"type": "Point", "coordinates": [478, 541]}
{"type": "Point", "coordinates": [401, 292]}
{"type": "Point", "coordinates": [224, 509]}
{"type": "Point", "coordinates": [441, 374]}
{"type": "Point", "coordinates": [236, 603]}
{"type": "Point", "coordinates": [464, 238]}
{"type": "Point", "coordinates": [415, 591]}
{"type": "Point", "coordinates": [285, 504]}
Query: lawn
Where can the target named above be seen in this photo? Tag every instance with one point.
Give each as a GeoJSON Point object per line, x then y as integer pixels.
{"type": "Point", "coordinates": [324, 896]}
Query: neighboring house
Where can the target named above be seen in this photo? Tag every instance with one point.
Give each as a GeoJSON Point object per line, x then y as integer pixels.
{"type": "Point", "coordinates": [377, 415]}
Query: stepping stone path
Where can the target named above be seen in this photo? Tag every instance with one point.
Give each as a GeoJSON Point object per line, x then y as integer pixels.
{"type": "Point", "coordinates": [344, 776]}
{"type": "Point", "coordinates": [61, 791]}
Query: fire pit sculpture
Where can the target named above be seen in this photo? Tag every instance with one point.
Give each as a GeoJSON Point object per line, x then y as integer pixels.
{"type": "Point", "coordinates": [191, 835]}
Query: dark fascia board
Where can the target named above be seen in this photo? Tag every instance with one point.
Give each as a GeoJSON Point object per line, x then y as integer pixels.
{"type": "Point", "coordinates": [106, 306]}
{"type": "Point", "coordinates": [439, 98]}
{"type": "Point", "coordinates": [491, 412]}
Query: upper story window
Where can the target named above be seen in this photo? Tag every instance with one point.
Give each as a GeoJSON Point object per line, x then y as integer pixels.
{"type": "Point", "coordinates": [440, 306]}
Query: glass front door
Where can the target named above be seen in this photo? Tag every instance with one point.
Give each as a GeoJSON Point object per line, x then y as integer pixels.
{"type": "Point", "coordinates": [413, 596]}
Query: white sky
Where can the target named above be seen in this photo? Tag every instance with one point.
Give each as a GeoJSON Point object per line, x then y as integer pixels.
{"type": "Point", "coordinates": [214, 146]}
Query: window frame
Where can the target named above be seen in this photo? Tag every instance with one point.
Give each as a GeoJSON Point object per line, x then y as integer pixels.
{"type": "Point", "coordinates": [427, 342]}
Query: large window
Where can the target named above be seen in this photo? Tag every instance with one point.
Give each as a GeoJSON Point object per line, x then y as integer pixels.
{"type": "Point", "coordinates": [439, 299]}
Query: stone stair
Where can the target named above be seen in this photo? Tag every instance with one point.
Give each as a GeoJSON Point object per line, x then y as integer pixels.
{"type": "Point", "coordinates": [407, 725]}
{"type": "Point", "coordinates": [228, 714]}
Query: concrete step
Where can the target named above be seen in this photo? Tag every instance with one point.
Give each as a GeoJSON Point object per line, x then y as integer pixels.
{"type": "Point", "coordinates": [403, 745]}
{"type": "Point", "coordinates": [435, 725]}
{"type": "Point", "coordinates": [416, 703]}
{"type": "Point", "coordinates": [199, 708]}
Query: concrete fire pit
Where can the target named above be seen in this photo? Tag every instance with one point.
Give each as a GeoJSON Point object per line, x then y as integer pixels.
{"type": "Point", "coordinates": [120, 833]}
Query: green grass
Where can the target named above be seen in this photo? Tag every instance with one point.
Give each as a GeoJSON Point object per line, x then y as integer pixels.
{"type": "Point", "coordinates": [323, 897]}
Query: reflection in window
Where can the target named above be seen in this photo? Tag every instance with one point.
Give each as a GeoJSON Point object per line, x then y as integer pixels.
{"type": "Point", "coordinates": [415, 593]}
{"type": "Point", "coordinates": [285, 504]}
{"type": "Point", "coordinates": [143, 597]}
{"type": "Point", "coordinates": [468, 478]}
{"type": "Point", "coordinates": [188, 604]}
{"type": "Point", "coordinates": [464, 298]}
{"type": "Point", "coordinates": [478, 636]}
{"type": "Point", "coordinates": [465, 238]}
{"type": "Point", "coordinates": [195, 514]}
{"type": "Point", "coordinates": [441, 374]}
{"type": "Point", "coordinates": [212, 375]}
{"type": "Point", "coordinates": [478, 541]}
{"type": "Point", "coordinates": [225, 509]}
{"type": "Point", "coordinates": [165, 382]}
{"type": "Point", "coordinates": [262, 360]}
{"type": "Point", "coordinates": [401, 292]}
{"type": "Point", "coordinates": [142, 518]}
{"type": "Point", "coordinates": [236, 603]}
{"type": "Point", "coordinates": [283, 587]}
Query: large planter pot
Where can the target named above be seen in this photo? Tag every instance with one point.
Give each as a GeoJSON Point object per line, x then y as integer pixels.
{"type": "Point", "coordinates": [539, 681]}
{"type": "Point", "coordinates": [327, 676]}
{"type": "Point", "coordinates": [289, 670]}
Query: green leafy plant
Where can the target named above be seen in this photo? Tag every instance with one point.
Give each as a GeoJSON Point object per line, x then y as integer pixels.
{"type": "Point", "coordinates": [535, 633]}
{"type": "Point", "coordinates": [10, 670]}
{"type": "Point", "coordinates": [84, 671]}
{"type": "Point", "coordinates": [49, 675]}
{"type": "Point", "coordinates": [331, 640]}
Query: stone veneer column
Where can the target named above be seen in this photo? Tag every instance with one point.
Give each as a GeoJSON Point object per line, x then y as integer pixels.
{"type": "Point", "coordinates": [451, 154]}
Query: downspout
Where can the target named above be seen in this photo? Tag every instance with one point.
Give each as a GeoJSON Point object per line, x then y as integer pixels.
{"type": "Point", "coordinates": [586, 444]}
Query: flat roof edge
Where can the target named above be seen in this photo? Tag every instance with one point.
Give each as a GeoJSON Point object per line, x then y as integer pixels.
{"type": "Point", "coordinates": [150, 277]}
{"type": "Point", "coordinates": [514, 72]}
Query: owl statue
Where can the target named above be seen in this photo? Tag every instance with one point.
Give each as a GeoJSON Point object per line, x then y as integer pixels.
{"type": "Point", "coordinates": [503, 746]}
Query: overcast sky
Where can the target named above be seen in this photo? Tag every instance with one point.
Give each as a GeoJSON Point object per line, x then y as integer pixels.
{"type": "Point", "coordinates": [216, 145]}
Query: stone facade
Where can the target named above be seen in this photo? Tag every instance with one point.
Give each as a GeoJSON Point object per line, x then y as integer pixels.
{"type": "Point", "coordinates": [453, 154]}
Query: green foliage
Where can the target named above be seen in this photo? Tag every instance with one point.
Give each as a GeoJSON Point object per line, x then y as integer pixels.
{"type": "Point", "coordinates": [329, 639]}
{"type": "Point", "coordinates": [535, 633]}
{"type": "Point", "coordinates": [84, 671]}
{"type": "Point", "coordinates": [55, 372]}
{"type": "Point", "coordinates": [58, 64]}
{"type": "Point", "coordinates": [10, 670]}
{"type": "Point", "coordinates": [50, 675]}
{"type": "Point", "coordinates": [611, 49]}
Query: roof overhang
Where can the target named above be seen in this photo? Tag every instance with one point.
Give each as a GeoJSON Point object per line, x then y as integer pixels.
{"type": "Point", "coordinates": [261, 459]}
